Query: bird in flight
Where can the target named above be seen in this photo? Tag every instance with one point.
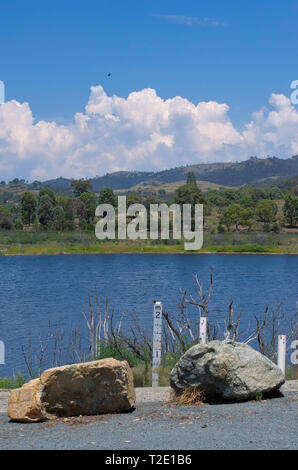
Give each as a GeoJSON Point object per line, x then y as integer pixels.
{"type": "Point", "coordinates": [109, 74]}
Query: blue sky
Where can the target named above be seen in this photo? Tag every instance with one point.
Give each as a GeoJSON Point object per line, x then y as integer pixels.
{"type": "Point", "coordinates": [231, 52]}
{"type": "Point", "coordinates": [53, 51]}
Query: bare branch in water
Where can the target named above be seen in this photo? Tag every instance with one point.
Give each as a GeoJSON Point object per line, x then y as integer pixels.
{"type": "Point", "coordinates": [174, 330]}
{"type": "Point", "coordinates": [231, 326]}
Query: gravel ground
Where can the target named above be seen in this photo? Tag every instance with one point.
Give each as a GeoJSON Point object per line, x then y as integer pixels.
{"type": "Point", "coordinates": [268, 424]}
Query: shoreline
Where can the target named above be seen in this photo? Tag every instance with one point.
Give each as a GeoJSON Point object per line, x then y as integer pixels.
{"type": "Point", "coordinates": [154, 253]}
{"type": "Point", "coordinates": [67, 243]}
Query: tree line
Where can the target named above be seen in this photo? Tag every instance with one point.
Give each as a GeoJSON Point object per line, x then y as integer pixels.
{"type": "Point", "coordinates": [235, 209]}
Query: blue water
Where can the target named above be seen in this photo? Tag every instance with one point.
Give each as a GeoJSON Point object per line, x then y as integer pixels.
{"type": "Point", "coordinates": [36, 290]}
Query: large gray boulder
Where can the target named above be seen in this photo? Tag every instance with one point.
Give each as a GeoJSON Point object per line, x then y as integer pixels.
{"type": "Point", "coordinates": [226, 370]}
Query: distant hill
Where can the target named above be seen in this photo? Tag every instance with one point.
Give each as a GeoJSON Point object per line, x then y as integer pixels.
{"type": "Point", "coordinates": [289, 184]}
{"type": "Point", "coordinates": [168, 189]}
{"type": "Point", "coordinates": [255, 171]}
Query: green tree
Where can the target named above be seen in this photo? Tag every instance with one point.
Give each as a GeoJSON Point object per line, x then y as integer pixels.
{"type": "Point", "coordinates": [4, 211]}
{"type": "Point", "coordinates": [266, 211]}
{"type": "Point", "coordinates": [222, 202]}
{"type": "Point", "coordinates": [191, 179]}
{"type": "Point", "coordinates": [18, 225]}
{"type": "Point", "coordinates": [67, 205]}
{"type": "Point", "coordinates": [275, 193]}
{"type": "Point", "coordinates": [148, 201]}
{"type": "Point", "coordinates": [16, 181]}
{"type": "Point", "coordinates": [58, 219]}
{"type": "Point", "coordinates": [229, 194]}
{"type": "Point", "coordinates": [133, 198]}
{"type": "Point", "coordinates": [189, 193]}
{"type": "Point", "coordinates": [80, 187]}
{"type": "Point", "coordinates": [29, 204]}
{"type": "Point", "coordinates": [79, 209]}
{"type": "Point", "coordinates": [238, 216]}
{"type": "Point", "coordinates": [246, 217]}
{"type": "Point", "coordinates": [47, 192]}
{"type": "Point", "coordinates": [45, 210]}
{"type": "Point", "coordinates": [90, 201]}
{"type": "Point", "coordinates": [107, 196]}
{"type": "Point", "coordinates": [5, 218]}
{"type": "Point", "coordinates": [232, 216]}
{"type": "Point", "coordinates": [6, 223]}
{"type": "Point", "coordinates": [290, 209]}
{"type": "Point", "coordinates": [62, 201]}
{"type": "Point", "coordinates": [259, 194]}
{"type": "Point", "coordinates": [246, 199]}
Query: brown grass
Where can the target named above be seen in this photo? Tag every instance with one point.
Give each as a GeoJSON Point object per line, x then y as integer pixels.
{"type": "Point", "coordinates": [142, 376]}
{"type": "Point", "coordinates": [191, 396]}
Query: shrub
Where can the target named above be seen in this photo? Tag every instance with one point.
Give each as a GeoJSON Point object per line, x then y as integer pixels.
{"type": "Point", "coordinates": [266, 228]}
{"type": "Point", "coordinates": [15, 382]}
{"type": "Point", "coordinates": [18, 225]}
{"type": "Point", "coordinates": [220, 228]}
{"type": "Point", "coordinates": [121, 353]}
{"type": "Point", "coordinates": [276, 227]}
{"type": "Point", "coordinates": [6, 223]}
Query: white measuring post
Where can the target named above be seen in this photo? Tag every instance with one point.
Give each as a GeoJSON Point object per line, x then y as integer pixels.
{"type": "Point", "coordinates": [203, 330]}
{"type": "Point", "coordinates": [156, 354]}
{"type": "Point", "coordinates": [281, 358]}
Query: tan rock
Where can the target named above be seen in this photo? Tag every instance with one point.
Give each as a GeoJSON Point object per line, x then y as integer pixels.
{"type": "Point", "coordinates": [104, 386]}
{"type": "Point", "coordinates": [24, 403]}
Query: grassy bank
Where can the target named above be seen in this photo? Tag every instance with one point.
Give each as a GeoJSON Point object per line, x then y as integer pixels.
{"type": "Point", "coordinates": [35, 243]}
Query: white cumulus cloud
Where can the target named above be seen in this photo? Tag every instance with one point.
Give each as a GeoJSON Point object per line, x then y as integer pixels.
{"type": "Point", "coordinates": [140, 132]}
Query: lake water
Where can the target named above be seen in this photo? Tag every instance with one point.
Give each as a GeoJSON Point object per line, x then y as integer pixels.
{"type": "Point", "coordinates": [36, 290]}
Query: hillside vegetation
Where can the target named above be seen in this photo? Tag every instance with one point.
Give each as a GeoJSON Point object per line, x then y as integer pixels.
{"type": "Point", "coordinates": [256, 171]}
{"type": "Point", "coordinates": [35, 219]}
